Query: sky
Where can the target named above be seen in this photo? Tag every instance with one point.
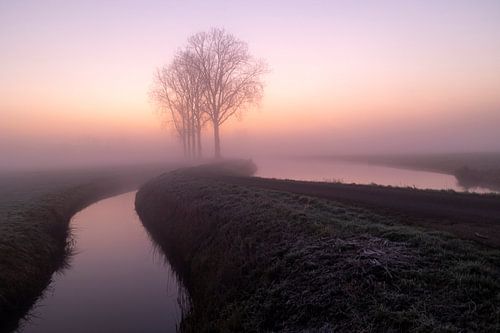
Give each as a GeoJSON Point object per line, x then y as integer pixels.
{"type": "Point", "coordinates": [346, 77]}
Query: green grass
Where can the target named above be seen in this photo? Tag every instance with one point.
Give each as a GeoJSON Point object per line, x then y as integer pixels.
{"type": "Point", "coordinates": [35, 209]}
{"type": "Point", "coordinates": [260, 260]}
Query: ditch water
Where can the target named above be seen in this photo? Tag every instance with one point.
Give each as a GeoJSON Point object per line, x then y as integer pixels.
{"type": "Point", "coordinates": [116, 280]}
{"type": "Point", "coordinates": [348, 172]}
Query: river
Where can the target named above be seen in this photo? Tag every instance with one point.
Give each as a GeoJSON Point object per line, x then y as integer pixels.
{"type": "Point", "coordinates": [359, 173]}
{"type": "Point", "coordinates": [116, 281]}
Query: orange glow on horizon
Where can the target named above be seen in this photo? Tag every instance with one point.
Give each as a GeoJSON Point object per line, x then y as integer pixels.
{"type": "Point", "coordinates": [335, 67]}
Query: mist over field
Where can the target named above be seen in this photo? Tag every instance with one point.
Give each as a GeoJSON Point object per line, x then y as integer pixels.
{"type": "Point", "coordinates": [381, 78]}
{"type": "Point", "coordinates": [249, 166]}
{"type": "Point", "coordinates": [472, 133]}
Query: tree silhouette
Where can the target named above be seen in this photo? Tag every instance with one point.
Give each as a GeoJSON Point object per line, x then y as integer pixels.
{"type": "Point", "coordinates": [213, 78]}
{"type": "Point", "coordinates": [231, 76]}
{"type": "Point", "coordinates": [178, 91]}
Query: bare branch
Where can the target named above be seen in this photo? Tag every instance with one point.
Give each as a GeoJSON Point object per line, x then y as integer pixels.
{"type": "Point", "coordinates": [230, 75]}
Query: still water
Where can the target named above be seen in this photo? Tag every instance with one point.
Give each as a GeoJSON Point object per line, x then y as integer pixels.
{"type": "Point", "coordinates": [116, 281]}
{"type": "Point", "coordinates": [348, 172]}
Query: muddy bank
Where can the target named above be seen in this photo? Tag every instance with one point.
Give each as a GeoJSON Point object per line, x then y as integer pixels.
{"type": "Point", "coordinates": [255, 260]}
{"type": "Point", "coordinates": [34, 231]}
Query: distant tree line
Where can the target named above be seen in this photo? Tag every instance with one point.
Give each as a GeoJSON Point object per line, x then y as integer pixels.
{"type": "Point", "coordinates": [209, 81]}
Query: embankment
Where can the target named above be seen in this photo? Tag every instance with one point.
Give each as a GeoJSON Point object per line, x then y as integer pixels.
{"type": "Point", "coordinates": [466, 215]}
{"type": "Point", "coordinates": [255, 260]}
{"type": "Point", "coordinates": [34, 230]}
{"type": "Point", "coordinates": [470, 178]}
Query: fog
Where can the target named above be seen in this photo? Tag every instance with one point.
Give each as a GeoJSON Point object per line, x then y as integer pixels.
{"type": "Point", "coordinates": [86, 151]}
{"type": "Point", "coordinates": [468, 134]}
{"type": "Point", "coordinates": [344, 79]}
{"type": "Point", "coordinates": [197, 165]}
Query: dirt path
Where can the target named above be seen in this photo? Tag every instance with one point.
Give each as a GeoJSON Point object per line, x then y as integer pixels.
{"type": "Point", "coordinates": [468, 216]}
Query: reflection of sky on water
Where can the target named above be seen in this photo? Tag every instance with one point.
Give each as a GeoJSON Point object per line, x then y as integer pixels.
{"type": "Point", "coordinates": [116, 282]}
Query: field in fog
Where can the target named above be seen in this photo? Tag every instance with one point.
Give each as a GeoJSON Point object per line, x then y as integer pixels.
{"type": "Point", "coordinates": [290, 166]}
{"type": "Point", "coordinates": [442, 162]}
{"type": "Point", "coordinates": [412, 251]}
{"type": "Point", "coordinates": [35, 208]}
{"type": "Point", "coordinates": [257, 256]}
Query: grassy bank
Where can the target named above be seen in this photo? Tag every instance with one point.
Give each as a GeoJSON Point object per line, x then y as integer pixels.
{"type": "Point", "coordinates": [466, 215]}
{"type": "Point", "coordinates": [445, 163]}
{"type": "Point", "coordinates": [489, 178]}
{"type": "Point", "coordinates": [35, 209]}
{"type": "Point", "coordinates": [260, 260]}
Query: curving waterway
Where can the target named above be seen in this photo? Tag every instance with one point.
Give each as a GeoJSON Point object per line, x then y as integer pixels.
{"type": "Point", "coordinates": [116, 280]}
{"type": "Point", "coordinates": [359, 173]}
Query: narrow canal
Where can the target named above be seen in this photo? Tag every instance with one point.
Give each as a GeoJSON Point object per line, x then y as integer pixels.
{"type": "Point", "coordinates": [116, 280]}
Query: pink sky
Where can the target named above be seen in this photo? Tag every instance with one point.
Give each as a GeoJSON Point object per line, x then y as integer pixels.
{"type": "Point", "coordinates": [347, 76]}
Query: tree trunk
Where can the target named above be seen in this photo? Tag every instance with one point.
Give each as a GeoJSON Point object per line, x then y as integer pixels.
{"type": "Point", "coordinates": [184, 147]}
{"type": "Point", "coordinates": [193, 138]}
{"type": "Point", "coordinates": [184, 138]}
{"type": "Point", "coordinates": [188, 134]}
{"type": "Point", "coordinates": [198, 133]}
{"type": "Point", "coordinates": [216, 141]}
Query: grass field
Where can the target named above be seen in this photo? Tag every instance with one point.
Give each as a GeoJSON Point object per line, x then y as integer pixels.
{"type": "Point", "coordinates": [466, 215]}
{"type": "Point", "coordinates": [35, 208]}
{"type": "Point", "coordinates": [255, 259]}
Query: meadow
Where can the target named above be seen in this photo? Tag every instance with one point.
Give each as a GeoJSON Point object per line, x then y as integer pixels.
{"type": "Point", "coordinates": [259, 254]}
{"type": "Point", "coordinates": [35, 236]}
{"type": "Point", "coordinates": [259, 259]}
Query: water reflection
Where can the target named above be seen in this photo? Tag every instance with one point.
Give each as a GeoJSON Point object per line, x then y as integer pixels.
{"type": "Point", "coordinates": [28, 312]}
{"type": "Point", "coordinates": [348, 172]}
{"type": "Point", "coordinates": [117, 281]}
{"type": "Point", "coordinates": [183, 299]}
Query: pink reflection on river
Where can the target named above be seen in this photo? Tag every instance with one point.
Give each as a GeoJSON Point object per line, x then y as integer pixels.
{"type": "Point", "coordinates": [116, 281]}
{"type": "Point", "coordinates": [347, 172]}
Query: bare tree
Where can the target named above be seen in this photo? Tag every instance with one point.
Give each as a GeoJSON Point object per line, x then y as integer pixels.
{"type": "Point", "coordinates": [178, 92]}
{"type": "Point", "coordinates": [213, 79]}
{"type": "Point", "coordinates": [169, 102]}
{"type": "Point", "coordinates": [196, 99]}
{"type": "Point", "coordinates": [231, 77]}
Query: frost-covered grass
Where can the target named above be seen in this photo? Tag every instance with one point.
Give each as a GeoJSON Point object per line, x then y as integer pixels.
{"type": "Point", "coordinates": [261, 260]}
{"type": "Point", "coordinates": [35, 209]}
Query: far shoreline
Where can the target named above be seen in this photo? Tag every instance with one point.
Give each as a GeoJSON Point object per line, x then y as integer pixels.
{"type": "Point", "coordinates": [479, 169]}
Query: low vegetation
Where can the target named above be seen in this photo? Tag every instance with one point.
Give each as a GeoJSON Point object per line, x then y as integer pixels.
{"type": "Point", "coordinates": [489, 178]}
{"type": "Point", "coordinates": [258, 260]}
{"type": "Point", "coordinates": [466, 215]}
{"type": "Point", "coordinates": [35, 210]}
